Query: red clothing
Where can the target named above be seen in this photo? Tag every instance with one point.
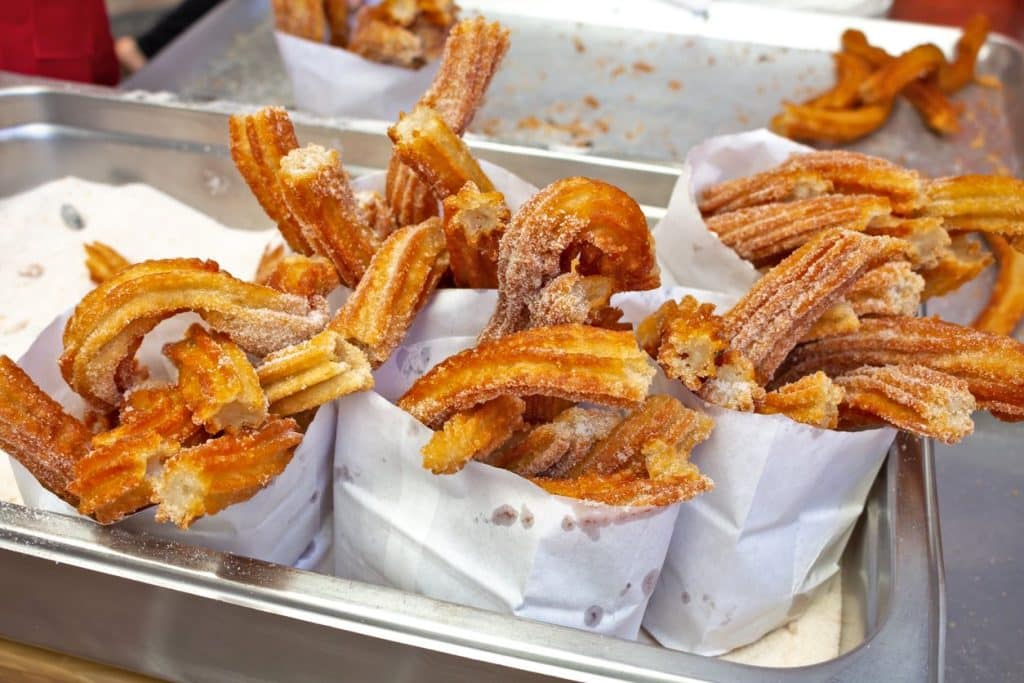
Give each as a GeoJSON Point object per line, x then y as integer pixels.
{"type": "Point", "coordinates": [66, 39]}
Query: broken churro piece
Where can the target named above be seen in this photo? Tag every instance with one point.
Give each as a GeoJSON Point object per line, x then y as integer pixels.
{"type": "Point", "coordinates": [890, 289]}
{"type": "Point", "coordinates": [103, 262]}
{"type": "Point", "coordinates": [230, 469]}
{"type": "Point", "coordinates": [911, 397]}
{"type": "Point", "coordinates": [475, 433]}
{"type": "Point", "coordinates": [813, 399]}
{"type": "Point", "coordinates": [217, 381]}
{"type": "Point", "coordinates": [959, 263]}
{"type": "Point", "coordinates": [474, 222]}
{"type": "Point", "coordinates": [686, 338]}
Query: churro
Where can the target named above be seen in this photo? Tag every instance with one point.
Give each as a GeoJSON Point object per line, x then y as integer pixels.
{"type": "Point", "coordinates": [475, 433]}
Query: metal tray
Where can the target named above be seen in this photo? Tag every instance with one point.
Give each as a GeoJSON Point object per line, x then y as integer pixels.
{"type": "Point", "coordinates": [193, 615]}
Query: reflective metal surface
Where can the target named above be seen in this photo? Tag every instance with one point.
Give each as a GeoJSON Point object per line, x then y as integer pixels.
{"type": "Point", "coordinates": [191, 615]}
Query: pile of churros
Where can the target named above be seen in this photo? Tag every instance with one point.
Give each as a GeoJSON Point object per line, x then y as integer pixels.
{"type": "Point", "coordinates": [850, 245]}
{"type": "Point", "coordinates": [406, 33]}
{"type": "Point", "coordinates": [869, 79]}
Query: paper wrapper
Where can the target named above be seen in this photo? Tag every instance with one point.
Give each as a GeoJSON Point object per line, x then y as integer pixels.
{"type": "Point", "coordinates": [747, 557]}
{"type": "Point", "coordinates": [279, 524]}
{"type": "Point", "coordinates": [331, 81]}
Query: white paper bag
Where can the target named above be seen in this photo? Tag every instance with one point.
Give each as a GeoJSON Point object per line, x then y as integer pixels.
{"type": "Point", "coordinates": [747, 557]}
{"type": "Point", "coordinates": [332, 81]}
{"type": "Point", "coordinates": [279, 524]}
{"type": "Point", "coordinates": [485, 537]}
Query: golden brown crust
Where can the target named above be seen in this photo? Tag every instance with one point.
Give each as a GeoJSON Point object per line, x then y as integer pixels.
{"type": "Point", "coordinates": [992, 365]}
{"type": "Point", "coordinates": [958, 73]}
{"type": "Point", "coordinates": [218, 383]}
{"type": "Point", "coordinates": [107, 326]}
{"type": "Point", "coordinates": [838, 319]}
{"type": "Point", "coordinates": [851, 71]}
{"type": "Point", "coordinates": [474, 222]}
{"type": "Point", "coordinates": [220, 472]}
{"type": "Point", "coordinates": [735, 385]}
{"type": "Point", "coordinates": [765, 233]}
{"type": "Point", "coordinates": [258, 143]}
{"type": "Point", "coordinates": [472, 53]}
{"type": "Point", "coordinates": [890, 289]}
{"type": "Point", "coordinates": [785, 303]}
{"type": "Point", "coordinates": [307, 375]}
{"type": "Point", "coordinates": [959, 263]}
{"type": "Point", "coordinates": [376, 214]}
{"type": "Point", "coordinates": [399, 281]}
{"type": "Point", "coordinates": [574, 220]}
{"type": "Point", "coordinates": [838, 126]}
{"type": "Point", "coordinates": [103, 261]}
{"type": "Point", "coordinates": [856, 173]}
{"type": "Point", "coordinates": [35, 431]}
{"type": "Point", "coordinates": [767, 187]}
{"type": "Point", "coordinates": [1005, 306]}
{"type": "Point", "coordinates": [305, 276]}
{"type": "Point", "coordinates": [813, 399]}
{"type": "Point", "coordinates": [914, 398]}
{"type": "Point", "coordinates": [318, 194]}
{"type": "Point", "coordinates": [686, 338]}
{"type": "Point", "coordinates": [336, 12]}
{"type": "Point", "coordinates": [988, 203]}
{"type": "Point", "coordinates": [301, 18]}
{"type": "Point", "coordinates": [887, 82]}
{"type": "Point", "coordinates": [475, 433]}
{"type": "Point", "coordinates": [927, 237]}
{"type": "Point", "coordinates": [575, 298]}
{"type": "Point", "coordinates": [626, 488]}
{"type": "Point", "coordinates": [659, 419]}
{"type": "Point", "coordinates": [425, 143]}
{"type": "Point", "coordinates": [377, 38]}
{"type": "Point", "coordinates": [553, 448]}
{"type": "Point", "coordinates": [574, 362]}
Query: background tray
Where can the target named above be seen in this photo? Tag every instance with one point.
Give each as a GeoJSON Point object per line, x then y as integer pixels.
{"type": "Point", "coordinates": [186, 614]}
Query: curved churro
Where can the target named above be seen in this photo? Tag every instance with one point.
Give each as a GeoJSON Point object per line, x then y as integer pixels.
{"type": "Point", "coordinates": [955, 75]}
{"type": "Point", "coordinates": [626, 488]}
{"type": "Point", "coordinates": [767, 187]}
{"type": "Point", "coordinates": [573, 218]}
{"type": "Point", "coordinates": [887, 82]}
{"type": "Point", "coordinates": [1005, 306]}
{"type": "Point", "coordinates": [851, 71]}
{"type": "Point", "coordinates": [232, 468]}
{"type": "Point", "coordinates": [106, 328]}
{"type": "Point", "coordinates": [806, 122]}
{"type": "Point", "coordinates": [574, 362]}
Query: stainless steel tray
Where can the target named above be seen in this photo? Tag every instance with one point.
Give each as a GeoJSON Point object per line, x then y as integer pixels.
{"type": "Point", "coordinates": [193, 615]}
{"type": "Point", "coordinates": [640, 79]}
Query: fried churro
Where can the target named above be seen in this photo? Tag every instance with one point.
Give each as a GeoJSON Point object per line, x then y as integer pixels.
{"type": "Point", "coordinates": [838, 126]}
{"type": "Point", "coordinates": [955, 75]}
{"type": "Point", "coordinates": [108, 325]}
{"type": "Point", "coordinates": [986, 203]}
{"type": "Point", "coordinates": [768, 187]}
{"type": "Point", "coordinates": [626, 488]}
{"type": "Point", "coordinates": [425, 143]}
{"type": "Point", "coordinates": [232, 468]}
{"type": "Point", "coordinates": [991, 364]}
{"type": "Point", "coordinates": [813, 399]}
{"type": "Point", "coordinates": [890, 289]}
{"type": "Point", "coordinates": [217, 381]}
{"type": "Point", "coordinates": [472, 53]}
{"type": "Point", "coordinates": [764, 233]}
{"type": "Point", "coordinates": [554, 447]}
{"type": "Point", "coordinates": [474, 222]}
{"type": "Point", "coordinates": [591, 223]}
{"type": "Point", "coordinates": [686, 338]}
{"type": "Point", "coordinates": [856, 173]}
{"type": "Point", "coordinates": [313, 372]}
{"type": "Point", "coordinates": [319, 196]}
{"type": "Point", "coordinates": [914, 398]}
{"type": "Point", "coordinates": [893, 76]}
{"type": "Point", "coordinates": [103, 261]}
{"type": "Point", "coordinates": [300, 18]}
{"type": "Point", "coordinates": [574, 362]}
{"type": "Point", "coordinates": [851, 71]}
{"type": "Point", "coordinates": [782, 306]}
{"type": "Point", "coordinates": [306, 276]}
{"type": "Point", "coordinates": [575, 298]}
{"type": "Point", "coordinates": [927, 237]}
{"type": "Point", "coordinates": [1005, 306]}
{"type": "Point", "coordinates": [475, 433]}
{"type": "Point", "coordinates": [400, 279]}
{"type": "Point", "coordinates": [258, 143]}
{"type": "Point", "coordinates": [37, 432]}
{"type": "Point", "coordinates": [959, 263]}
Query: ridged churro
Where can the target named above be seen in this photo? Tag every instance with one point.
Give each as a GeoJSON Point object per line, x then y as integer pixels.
{"type": "Point", "coordinates": [813, 399]}
{"type": "Point", "coordinates": [475, 433]}
{"type": "Point", "coordinates": [103, 261]}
